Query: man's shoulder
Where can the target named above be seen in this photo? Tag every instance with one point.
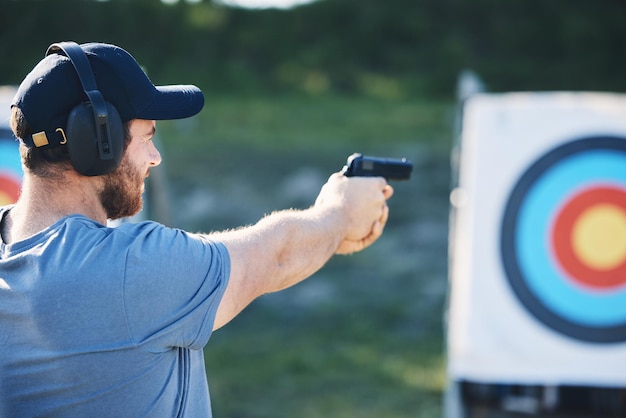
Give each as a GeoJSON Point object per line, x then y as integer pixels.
{"type": "Point", "coordinates": [146, 229]}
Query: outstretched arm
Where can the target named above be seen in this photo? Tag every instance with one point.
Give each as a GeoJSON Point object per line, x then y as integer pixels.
{"type": "Point", "coordinates": [286, 247]}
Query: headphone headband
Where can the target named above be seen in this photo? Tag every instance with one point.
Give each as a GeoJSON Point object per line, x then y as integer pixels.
{"type": "Point", "coordinates": [79, 60]}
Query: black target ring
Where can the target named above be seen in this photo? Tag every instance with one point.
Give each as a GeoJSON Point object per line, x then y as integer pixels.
{"type": "Point", "coordinates": [539, 290]}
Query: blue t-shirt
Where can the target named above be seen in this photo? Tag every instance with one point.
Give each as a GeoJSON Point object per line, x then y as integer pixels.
{"type": "Point", "coordinates": [108, 322]}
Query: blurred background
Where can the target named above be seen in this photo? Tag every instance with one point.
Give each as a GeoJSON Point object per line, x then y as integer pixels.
{"type": "Point", "coordinates": [292, 90]}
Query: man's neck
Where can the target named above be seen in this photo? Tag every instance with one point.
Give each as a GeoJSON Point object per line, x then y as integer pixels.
{"type": "Point", "coordinates": [43, 202]}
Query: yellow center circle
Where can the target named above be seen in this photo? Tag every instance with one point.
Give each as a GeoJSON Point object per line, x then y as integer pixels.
{"type": "Point", "coordinates": [5, 199]}
{"type": "Point", "coordinates": [599, 236]}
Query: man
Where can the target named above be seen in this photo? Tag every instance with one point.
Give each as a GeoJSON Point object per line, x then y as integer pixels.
{"type": "Point", "coordinates": [99, 321]}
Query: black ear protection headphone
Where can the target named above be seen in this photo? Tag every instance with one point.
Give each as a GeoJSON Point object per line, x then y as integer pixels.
{"type": "Point", "coordinates": [95, 133]}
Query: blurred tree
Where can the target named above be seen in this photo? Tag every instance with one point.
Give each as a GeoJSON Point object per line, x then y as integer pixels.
{"type": "Point", "coordinates": [392, 49]}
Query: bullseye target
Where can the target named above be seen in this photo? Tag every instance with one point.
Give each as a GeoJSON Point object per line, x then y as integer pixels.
{"type": "Point", "coordinates": [10, 171]}
{"type": "Point", "coordinates": [563, 239]}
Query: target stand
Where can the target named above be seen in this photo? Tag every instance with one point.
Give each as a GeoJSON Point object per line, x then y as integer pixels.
{"type": "Point", "coordinates": [537, 299]}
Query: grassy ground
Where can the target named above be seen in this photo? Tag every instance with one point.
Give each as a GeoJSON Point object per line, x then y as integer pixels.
{"type": "Point", "coordinates": [364, 336]}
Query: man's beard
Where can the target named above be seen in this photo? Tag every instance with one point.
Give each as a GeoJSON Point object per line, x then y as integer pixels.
{"type": "Point", "coordinates": [122, 192]}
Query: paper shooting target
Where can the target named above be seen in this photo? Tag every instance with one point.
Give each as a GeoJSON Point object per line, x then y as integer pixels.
{"type": "Point", "coordinates": [563, 239]}
{"type": "Point", "coordinates": [10, 171]}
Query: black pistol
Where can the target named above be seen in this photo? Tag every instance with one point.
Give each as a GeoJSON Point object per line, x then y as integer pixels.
{"type": "Point", "coordinates": [359, 165]}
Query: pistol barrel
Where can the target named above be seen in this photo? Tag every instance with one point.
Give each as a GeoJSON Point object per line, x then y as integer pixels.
{"type": "Point", "coordinates": [359, 165]}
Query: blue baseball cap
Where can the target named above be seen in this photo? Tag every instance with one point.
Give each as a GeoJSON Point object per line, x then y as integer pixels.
{"type": "Point", "coordinates": [52, 89]}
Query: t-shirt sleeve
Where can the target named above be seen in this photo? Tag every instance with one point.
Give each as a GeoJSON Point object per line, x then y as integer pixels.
{"type": "Point", "coordinates": [173, 284]}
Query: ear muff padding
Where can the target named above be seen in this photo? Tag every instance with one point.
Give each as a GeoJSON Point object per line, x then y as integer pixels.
{"type": "Point", "coordinates": [82, 140]}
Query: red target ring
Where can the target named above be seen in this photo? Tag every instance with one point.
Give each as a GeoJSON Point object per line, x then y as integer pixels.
{"type": "Point", "coordinates": [589, 238]}
{"type": "Point", "coordinates": [9, 188]}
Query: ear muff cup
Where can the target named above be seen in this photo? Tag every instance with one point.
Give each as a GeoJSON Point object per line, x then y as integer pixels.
{"type": "Point", "coordinates": [82, 141]}
{"type": "Point", "coordinates": [95, 133]}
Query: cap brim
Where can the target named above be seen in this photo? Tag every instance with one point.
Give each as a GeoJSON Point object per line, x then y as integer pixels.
{"type": "Point", "coordinates": [173, 102]}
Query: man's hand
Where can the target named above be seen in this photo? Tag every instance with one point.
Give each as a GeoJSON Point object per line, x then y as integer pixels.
{"type": "Point", "coordinates": [362, 202]}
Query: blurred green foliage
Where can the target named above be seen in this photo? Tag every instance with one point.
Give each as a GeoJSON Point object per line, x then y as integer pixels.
{"type": "Point", "coordinates": [392, 49]}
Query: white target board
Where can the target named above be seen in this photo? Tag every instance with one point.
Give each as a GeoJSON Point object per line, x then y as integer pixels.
{"type": "Point", "coordinates": [538, 256]}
